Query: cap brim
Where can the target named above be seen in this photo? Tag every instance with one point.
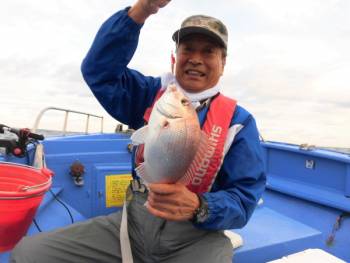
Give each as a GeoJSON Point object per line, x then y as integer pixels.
{"type": "Point", "coordinates": [186, 31]}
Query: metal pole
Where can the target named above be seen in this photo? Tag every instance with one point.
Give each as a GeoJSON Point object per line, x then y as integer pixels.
{"type": "Point", "coordinates": [65, 123]}
{"type": "Point", "coordinates": [36, 124]}
{"type": "Point", "coordinates": [87, 124]}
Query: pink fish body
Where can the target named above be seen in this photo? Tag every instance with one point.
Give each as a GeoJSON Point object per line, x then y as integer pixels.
{"type": "Point", "coordinates": [172, 139]}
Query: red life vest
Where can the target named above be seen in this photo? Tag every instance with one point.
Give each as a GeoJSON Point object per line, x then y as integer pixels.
{"type": "Point", "coordinates": [216, 127]}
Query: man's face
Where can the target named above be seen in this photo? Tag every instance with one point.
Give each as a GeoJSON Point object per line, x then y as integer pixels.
{"type": "Point", "coordinates": [199, 63]}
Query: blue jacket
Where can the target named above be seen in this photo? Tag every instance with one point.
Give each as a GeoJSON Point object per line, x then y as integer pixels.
{"type": "Point", "coordinates": [126, 93]}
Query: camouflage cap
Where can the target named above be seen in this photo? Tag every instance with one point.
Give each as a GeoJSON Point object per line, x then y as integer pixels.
{"type": "Point", "coordinates": [206, 25]}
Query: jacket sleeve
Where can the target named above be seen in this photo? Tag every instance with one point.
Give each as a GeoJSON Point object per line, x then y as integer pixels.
{"type": "Point", "coordinates": [124, 93]}
{"type": "Point", "coordinates": [240, 182]}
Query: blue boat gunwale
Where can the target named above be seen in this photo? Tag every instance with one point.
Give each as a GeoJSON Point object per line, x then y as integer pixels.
{"type": "Point", "coordinates": [310, 184]}
{"type": "Point", "coordinates": [317, 152]}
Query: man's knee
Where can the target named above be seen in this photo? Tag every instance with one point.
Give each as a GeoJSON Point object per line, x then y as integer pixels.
{"type": "Point", "coordinates": [29, 249]}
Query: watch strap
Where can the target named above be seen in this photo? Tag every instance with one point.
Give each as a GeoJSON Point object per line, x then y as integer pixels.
{"type": "Point", "coordinates": [202, 212]}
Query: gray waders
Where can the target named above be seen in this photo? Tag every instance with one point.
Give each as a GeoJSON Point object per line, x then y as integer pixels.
{"type": "Point", "coordinates": [152, 239]}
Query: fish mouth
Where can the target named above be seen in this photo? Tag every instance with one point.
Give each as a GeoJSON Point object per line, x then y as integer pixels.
{"type": "Point", "coordinates": [166, 113]}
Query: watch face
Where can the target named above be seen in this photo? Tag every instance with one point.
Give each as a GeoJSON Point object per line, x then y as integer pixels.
{"type": "Point", "coordinates": [202, 215]}
{"type": "Point", "coordinates": [202, 212]}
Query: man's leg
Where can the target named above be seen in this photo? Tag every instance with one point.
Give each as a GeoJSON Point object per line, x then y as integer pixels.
{"type": "Point", "coordinates": [214, 247]}
{"type": "Point", "coordinates": [159, 240]}
{"type": "Point", "coordinates": [94, 240]}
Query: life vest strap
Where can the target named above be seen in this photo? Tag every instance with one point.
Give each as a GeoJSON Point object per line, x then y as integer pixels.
{"type": "Point", "coordinates": [216, 126]}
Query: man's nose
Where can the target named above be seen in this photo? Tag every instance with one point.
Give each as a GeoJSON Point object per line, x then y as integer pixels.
{"type": "Point", "coordinates": [195, 60]}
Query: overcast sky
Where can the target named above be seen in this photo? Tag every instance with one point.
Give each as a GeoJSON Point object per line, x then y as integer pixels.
{"type": "Point", "coordinates": [288, 61]}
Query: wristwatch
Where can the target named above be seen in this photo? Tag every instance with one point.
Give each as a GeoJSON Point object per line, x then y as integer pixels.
{"type": "Point", "coordinates": [202, 212]}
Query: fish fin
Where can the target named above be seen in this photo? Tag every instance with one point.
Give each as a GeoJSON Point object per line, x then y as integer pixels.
{"type": "Point", "coordinates": [141, 172]}
{"type": "Point", "coordinates": [202, 150]}
{"type": "Point", "coordinates": [138, 137]}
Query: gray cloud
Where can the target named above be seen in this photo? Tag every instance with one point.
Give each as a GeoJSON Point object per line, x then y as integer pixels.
{"type": "Point", "coordinates": [288, 61]}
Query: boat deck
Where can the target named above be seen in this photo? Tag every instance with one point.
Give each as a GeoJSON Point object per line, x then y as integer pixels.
{"type": "Point", "coordinates": [294, 215]}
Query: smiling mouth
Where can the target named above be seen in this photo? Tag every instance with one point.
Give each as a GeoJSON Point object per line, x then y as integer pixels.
{"type": "Point", "coordinates": [194, 73]}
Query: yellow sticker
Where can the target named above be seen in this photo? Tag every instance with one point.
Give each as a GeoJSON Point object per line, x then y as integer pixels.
{"type": "Point", "coordinates": [116, 185]}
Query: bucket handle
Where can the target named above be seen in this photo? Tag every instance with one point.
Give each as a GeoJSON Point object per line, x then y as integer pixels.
{"type": "Point", "coordinates": [46, 172]}
{"type": "Point", "coordinates": [21, 197]}
{"type": "Point", "coordinates": [26, 188]}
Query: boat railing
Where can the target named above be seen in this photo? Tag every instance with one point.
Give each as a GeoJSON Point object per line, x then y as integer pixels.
{"type": "Point", "coordinates": [67, 111]}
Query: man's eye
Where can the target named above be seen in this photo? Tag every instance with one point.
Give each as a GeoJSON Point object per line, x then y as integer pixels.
{"type": "Point", "coordinates": [209, 50]}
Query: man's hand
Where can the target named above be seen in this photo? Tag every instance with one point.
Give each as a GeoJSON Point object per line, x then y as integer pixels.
{"type": "Point", "coordinates": [144, 8]}
{"type": "Point", "coordinates": [152, 6]}
{"type": "Point", "coordinates": [172, 201]}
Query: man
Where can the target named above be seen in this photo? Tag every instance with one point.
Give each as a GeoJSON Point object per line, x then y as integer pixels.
{"type": "Point", "coordinates": [179, 223]}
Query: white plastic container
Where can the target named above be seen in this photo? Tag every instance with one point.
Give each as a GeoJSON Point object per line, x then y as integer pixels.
{"type": "Point", "coordinates": [309, 256]}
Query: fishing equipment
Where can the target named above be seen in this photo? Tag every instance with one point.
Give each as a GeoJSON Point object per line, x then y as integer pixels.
{"type": "Point", "coordinates": [22, 189]}
{"type": "Point", "coordinates": [18, 147]}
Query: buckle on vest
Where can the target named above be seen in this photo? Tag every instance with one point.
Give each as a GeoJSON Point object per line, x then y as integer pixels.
{"type": "Point", "coordinates": [137, 186]}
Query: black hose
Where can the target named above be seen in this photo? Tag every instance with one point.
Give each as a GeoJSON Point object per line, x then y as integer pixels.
{"type": "Point", "coordinates": [64, 205]}
{"type": "Point", "coordinates": [37, 226]}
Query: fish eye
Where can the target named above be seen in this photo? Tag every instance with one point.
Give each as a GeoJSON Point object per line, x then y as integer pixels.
{"type": "Point", "coordinates": [166, 124]}
{"type": "Point", "coordinates": [185, 102]}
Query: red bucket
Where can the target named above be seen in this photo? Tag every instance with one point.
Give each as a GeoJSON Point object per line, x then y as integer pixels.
{"type": "Point", "coordinates": [21, 191]}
